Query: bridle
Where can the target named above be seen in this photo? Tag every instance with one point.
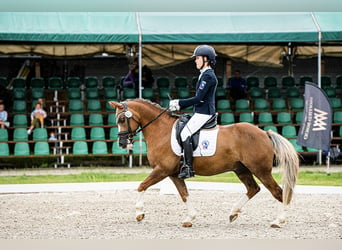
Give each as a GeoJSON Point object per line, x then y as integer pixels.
{"type": "Point", "coordinates": [129, 134]}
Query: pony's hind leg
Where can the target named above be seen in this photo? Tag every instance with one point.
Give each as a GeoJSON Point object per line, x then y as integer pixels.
{"type": "Point", "coordinates": [183, 192]}
{"type": "Point", "coordinates": [253, 188]}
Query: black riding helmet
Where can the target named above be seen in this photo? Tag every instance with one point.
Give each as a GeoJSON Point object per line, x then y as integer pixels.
{"type": "Point", "coordinates": [206, 50]}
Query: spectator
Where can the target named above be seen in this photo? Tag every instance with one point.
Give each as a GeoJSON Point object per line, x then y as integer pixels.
{"type": "Point", "coordinates": [37, 117]}
{"type": "Point", "coordinates": [147, 77]}
{"type": "Point", "coordinates": [3, 116]}
{"type": "Point", "coordinates": [237, 86]}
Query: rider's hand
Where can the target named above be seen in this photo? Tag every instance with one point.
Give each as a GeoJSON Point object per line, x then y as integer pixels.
{"type": "Point", "coordinates": [174, 105]}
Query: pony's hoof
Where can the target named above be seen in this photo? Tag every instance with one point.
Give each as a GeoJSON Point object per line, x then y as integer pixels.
{"type": "Point", "coordinates": [187, 224]}
{"type": "Point", "coordinates": [140, 217]}
{"type": "Point", "coordinates": [233, 217]}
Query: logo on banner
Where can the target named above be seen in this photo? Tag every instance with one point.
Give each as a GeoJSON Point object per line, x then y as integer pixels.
{"type": "Point", "coordinates": [320, 120]}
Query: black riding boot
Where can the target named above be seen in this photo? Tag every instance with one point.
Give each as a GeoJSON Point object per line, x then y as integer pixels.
{"type": "Point", "coordinates": [186, 170]}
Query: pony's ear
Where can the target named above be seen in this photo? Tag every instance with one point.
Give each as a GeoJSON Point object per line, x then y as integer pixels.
{"type": "Point", "coordinates": [116, 105]}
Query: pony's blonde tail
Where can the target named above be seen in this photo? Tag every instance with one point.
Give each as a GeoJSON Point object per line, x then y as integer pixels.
{"type": "Point", "coordinates": [287, 158]}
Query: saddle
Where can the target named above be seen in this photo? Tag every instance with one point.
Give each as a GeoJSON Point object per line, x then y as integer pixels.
{"type": "Point", "coordinates": [182, 121]}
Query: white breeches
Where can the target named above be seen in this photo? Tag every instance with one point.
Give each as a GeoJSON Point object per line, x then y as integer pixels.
{"type": "Point", "coordinates": [194, 124]}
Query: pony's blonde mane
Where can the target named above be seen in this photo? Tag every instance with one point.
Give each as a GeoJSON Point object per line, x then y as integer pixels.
{"type": "Point", "coordinates": [153, 104]}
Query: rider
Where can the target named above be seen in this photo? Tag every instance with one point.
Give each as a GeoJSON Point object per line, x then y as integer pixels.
{"type": "Point", "coordinates": [203, 102]}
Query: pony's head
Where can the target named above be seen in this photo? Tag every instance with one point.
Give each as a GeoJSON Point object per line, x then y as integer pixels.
{"type": "Point", "coordinates": [127, 123]}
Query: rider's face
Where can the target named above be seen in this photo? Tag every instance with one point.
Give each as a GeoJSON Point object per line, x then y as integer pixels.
{"type": "Point", "coordinates": [199, 62]}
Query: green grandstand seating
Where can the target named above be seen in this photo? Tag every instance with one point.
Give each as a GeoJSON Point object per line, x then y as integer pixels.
{"type": "Point", "coordinates": [78, 134]}
{"type": "Point", "coordinates": [37, 93]}
{"type": "Point", "coordinates": [3, 134]}
{"type": "Point", "coordinates": [136, 148]}
{"type": "Point", "coordinates": [95, 120]}
{"type": "Point", "coordinates": [194, 81]}
{"type": "Point", "coordinates": [279, 104]}
{"type": "Point", "coordinates": [256, 93]}
{"type": "Point", "coordinates": [80, 148]}
{"type": "Point", "coordinates": [110, 93]}
{"type": "Point", "coordinates": [223, 105]}
{"type": "Point", "coordinates": [4, 149]}
{"type": "Point", "coordinates": [183, 93]}
{"type": "Point", "coordinates": [100, 148]}
{"type": "Point", "coordinates": [97, 133]}
{"type": "Point", "coordinates": [181, 82]}
{"type": "Point", "coordinates": [111, 119]}
{"type": "Point", "coordinates": [19, 82]}
{"type": "Point", "coordinates": [340, 131]}
{"type": "Point", "coordinates": [164, 103]}
{"type": "Point", "coordinates": [19, 94]}
{"type": "Point", "coordinates": [297, 104]}
{"type": "Point", "coordinates": [287, 81]}
{"type": "Point", "coordinates": [273, 92]}
{"type": "Point", "coordinates": [163, 82]}
{"type": "Point", "coordinates": [219, 81]}
{"type": "Point", "coordinates": [325, 81]}
{"type": "Point", "coordinates": [252, 81]}
{"type": "Point", "coordinates": [117, 150]}
{"type": "Point", "coordinates": [37, 83]}
{"type": "Point", "coordinates": [265, 118]}
{"type": "Point", "coordinates": [303, 79]}
{"type": "Point", "coordinates": [289, 131]}
{"type": "Point", "coordinates": [330, 91]}
{"type": "Point", "coordinates": [164, 93]}
{"type": "Point", "coordinates": [113, 133]}
{"type": "Point", "coordinates": [108, 82]}
{"type": "Point", "coordinates": [77, 120]}
{"type": "Point", "coordinates": [337, 117]}
{"type": "Point", "coordinates": [21, 149]}
{"type": "Point", "coordinates": [75, 106]}
{"type": "Point", "coordinates": [20, 120]}
{"type": "Point", "coordinates": [292, 92]}
{"type": "Point", "coordinates": [74, 93]}
{"type": "Point", "coordinates": [55, 83]}
{"type": "Point", "coordinates": [73, 82]}
{"type": "Point", "coordinates": [261, 105]}
{"type": "Point", "coordinates": [242, 105]}
{"type": "Point", "coordinates": [40, 134]}
{"type": "Point", "coordinates": [335, 103]}
{"type": "Point", "coordinates": [297, 147]}
{"type": "Point", "coordinates": [3, 81]}
{"type": "Point", "coordinates": [284, 118]}
{"type": "Point", "coordinates": [19, 106]}
{"type": "Point", "coordinates": [128, 93]}
{"type": "Point", "coordinates": [20, 134]}
{"type": "Point", "coordinates": [271, 127]}
{"type": "Point", "coordinates": [41, 148]}
{"type": "Point", "coordinates": [92, 93]}
{"type": "Point", "coordinates": [108, 107]}
{"type": "Point", "coordinates": [299, 117]}
{"type": "Point", "coordinates": [220, 93]}
{"type": "Point", "coordinates": [339, 81]}
{"type": "Point", "coordinates": [94, 105]}
{"type": "Point", "coordinates": [91, 82]}
{"type": "Point", "coordinates": [246, 117]}
{"type": "Point", "coordinates": [270, 81]}
{"type": "Point", "coordinates": [147, 93]}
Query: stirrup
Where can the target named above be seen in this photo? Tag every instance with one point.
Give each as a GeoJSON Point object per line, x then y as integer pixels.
{"type": "Point", "coordinates": [186, 172]}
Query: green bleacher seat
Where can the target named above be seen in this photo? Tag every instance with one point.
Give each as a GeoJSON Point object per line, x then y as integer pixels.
{"type": "Point", "coordinates": [297, 104]}
{"type": "Point", "coordinates": [164, 103]}
{"type": "Point", "coordinates": [21, 149]}
{"type": "Point", "coordinates": [303, 79]}
{"type": "Point", "coordinates": [108, 107]}
{"type": "Point", "coordinates": [181, 82]}
{"type": "Point", "coordinates": [19, 106]}
{"type": "Point", "coordinates": [271, 127]}
{"type": "Point", "coordinates": [3, 81]}
{"type": "Point", "coordinates": [289, 131]}
{"type": "Point", "coordinates": [164, 93]}
{"type": "Point", "coordinates": [117, 150]}
{"type": "Point", "coordinates": [297, 147]}
{"type": "Point", "coordinates": [273, 92]}
{"type": "Point", "coordinates": [330, 91]}
{"type": "Point", "coordinates": [219, 81]}
{"type": "Point", "coordinates": [256, 93]}
{"type": "Point", "coordinates": [4, 149]}
{"type": "Point", "coordinates": [252, 81]}
{"type": "Point", "coordinates": [223, 105]}
{"type": "Point", "coordinates": [299, 117]}
{"type": "Point", "coordinates": [335, 103]}
{"type": "Point", "coordinates": [37, 83]}
{"type": "Point", "coordinates": [284, 118]}
{"type": "Point", "coordinates": [77, 120]}
{"type": "Point", "coordinates": [113, 133]}
{"type": "Point", "coordinates": [95, 120]}
{"type": "Point", "coordinates": [91, 82]}
{"type": "Point", "coordinates": [246, 117]}
{"type": "Point", "coordinates": [37, 93]}
{"type": "Point", "coordinates": [128, 93]}
{"type": "Point", "coordinates": [194, 81]}
{"type": "Point", "coordinates": [288, 81]}
{"type": "Point", "coordinates": [92, 93]}
{"type": "Point", "coordinates": [242, 105]}
{"type": "Point", "coordinates": [183, 93]}
{"type": "Point", "coordinates": [163, 82]}
{"type": "Point", "coordinates": [19, 94]}
{"type": "Point", "coordinates": [40, 134]}
{"type": "Point", "coordinates": [20, 120]}
{"type": "Point", "coordinates": [80, 148]}
{"type": "Point", "coordinates": [147, 93]}
{"type": "Point", "coordinates": [20, 134]}
{"type": "Point", "coordinates": [3, 134]}
{"type": "Point", "coordinates": [340, 131]}
{"type": "Point", "coordinates": [136, 148]}
{"type": "Point", "coordinates": [265, 118]}
{"type": "Point", "coordinates": [279, 104]}
{"type": "Point", "coordinates": [41, 148]}
{"type": "Point", "coordinates": [100, 148]}
{"type": "Point", "coordinates": [75, 106]}
{"type": "Point", "coordinates": [73, 82]}
{"type": "Point", "coordinates": [339, 81]}
{"type": "Point", "coordinates": [337, 118]}
{"type": "Point", "coordinates": [78, 134]}
{"type": "Point", "coordinates": [108, 82]}
{"type": "Point", "coordinates": [111, 119]}
{"type": "Point", "coordinates": [55, 83]}
{"type": "Point", "coordinates": [270, 81]}
{"type": "Point", "coordinates": [94, 105]}
{"type": "Point", "coordinates": [325, 81]}
{"type": "Point", "coordinates": [220, 93]}
{"type": "Point", "coordinates": [110, 93]}
{"type": "Point", "coordinates": [19, 82]}
{"type": "Point", "coordinates": [97, 133]}
{"type": "Point", "coordinates": [261, 105]}
{"type": "Point", "coordinates": [292, 92]}
{"type": "Point", "coordinates": [74, 93]}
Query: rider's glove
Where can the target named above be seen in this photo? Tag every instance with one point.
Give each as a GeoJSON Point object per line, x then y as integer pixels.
{"type": "Point", "coordinates": [174, 105]}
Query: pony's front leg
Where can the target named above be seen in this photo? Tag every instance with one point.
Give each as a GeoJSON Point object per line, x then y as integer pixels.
{"type": "Point", "coordinates": [139, 207]}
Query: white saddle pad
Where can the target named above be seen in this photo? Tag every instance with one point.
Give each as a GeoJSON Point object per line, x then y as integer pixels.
{"type": "Point", "coordinates": [206, 144]}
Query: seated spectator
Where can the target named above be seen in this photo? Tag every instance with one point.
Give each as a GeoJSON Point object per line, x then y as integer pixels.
{"type": "Point", "coordinates": [3, 116]}
{"type": "Point", "coordinates": [237, 86]}
{"type": "Point", "coordinates": [37, 118]}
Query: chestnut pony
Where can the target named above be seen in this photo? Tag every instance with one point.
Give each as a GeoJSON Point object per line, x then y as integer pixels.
{"type": "Point", "coordinates": [242, 148]}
